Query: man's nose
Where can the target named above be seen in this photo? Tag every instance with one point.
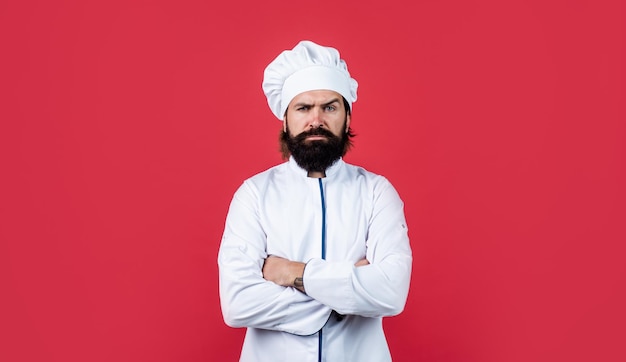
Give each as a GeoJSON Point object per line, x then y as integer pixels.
{"type": "Point", "coordinates": [316, 118]}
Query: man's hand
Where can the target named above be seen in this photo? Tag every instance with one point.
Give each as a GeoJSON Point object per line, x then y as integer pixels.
{"type": "Point", "coordinates": [361, 262]}
{"type": "Point", "coordinates": [282, 271]}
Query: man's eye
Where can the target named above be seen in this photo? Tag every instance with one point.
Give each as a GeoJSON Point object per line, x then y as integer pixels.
{"type": "Point", "coordinates": [330, 108]}
{"type": "Point", "coordinates": [302, 108]}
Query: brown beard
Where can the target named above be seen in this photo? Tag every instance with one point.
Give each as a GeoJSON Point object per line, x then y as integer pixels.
{"type": "Point", "coordinates": [317, 155]}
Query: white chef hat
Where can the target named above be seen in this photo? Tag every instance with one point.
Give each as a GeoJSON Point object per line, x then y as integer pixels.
{"type": "Point", "coordinates": [308, 66]}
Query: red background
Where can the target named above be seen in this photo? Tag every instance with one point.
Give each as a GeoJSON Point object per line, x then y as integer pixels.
{"type": "Point", "coordinates": [126, 126]}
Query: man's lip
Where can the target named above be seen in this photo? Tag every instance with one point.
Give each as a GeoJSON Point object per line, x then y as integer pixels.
{"type": "Point", "coordinates": [316, 137]}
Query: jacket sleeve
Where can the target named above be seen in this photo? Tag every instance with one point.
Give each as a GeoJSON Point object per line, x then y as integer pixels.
{"type": "Point", "coordinates": [248, 300]}
{"type": "Point", "coordinates": [380, 288]}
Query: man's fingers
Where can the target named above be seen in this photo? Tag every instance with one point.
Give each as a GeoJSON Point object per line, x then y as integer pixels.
{"type": "Point", "coordinates": [362, 262]}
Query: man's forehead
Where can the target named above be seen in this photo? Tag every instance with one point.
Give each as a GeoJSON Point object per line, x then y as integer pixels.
{"type": "Point", "coordinates": [317, 96]}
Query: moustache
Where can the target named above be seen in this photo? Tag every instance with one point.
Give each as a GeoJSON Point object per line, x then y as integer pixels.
{"type": "Point", "coordinates": [315, 132]}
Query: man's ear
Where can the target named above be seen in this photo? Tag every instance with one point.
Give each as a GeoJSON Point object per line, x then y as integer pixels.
{"type": "Point", "coordinates": [285, 124]}
{"type": "Point", "coordinates": [348, 118]}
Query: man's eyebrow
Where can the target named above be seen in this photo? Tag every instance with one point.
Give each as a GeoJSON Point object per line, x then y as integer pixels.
{"type": "Point", "coordinates": [305, 104]}
{"type": "Point", "coordinates": [334, 100]}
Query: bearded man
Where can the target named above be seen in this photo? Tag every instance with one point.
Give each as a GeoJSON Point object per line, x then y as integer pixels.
{"type": "Point", "coordinates": [315, 251]}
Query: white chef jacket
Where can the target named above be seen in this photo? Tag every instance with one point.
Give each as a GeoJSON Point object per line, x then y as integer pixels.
{"type": "Point", "coordinates": [329, 223]}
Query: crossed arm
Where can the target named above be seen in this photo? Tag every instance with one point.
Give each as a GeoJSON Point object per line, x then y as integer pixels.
{"type": "Point", "coordinates": [287, 273]}
{"type": "Point", "coordinates": [258, 290]}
